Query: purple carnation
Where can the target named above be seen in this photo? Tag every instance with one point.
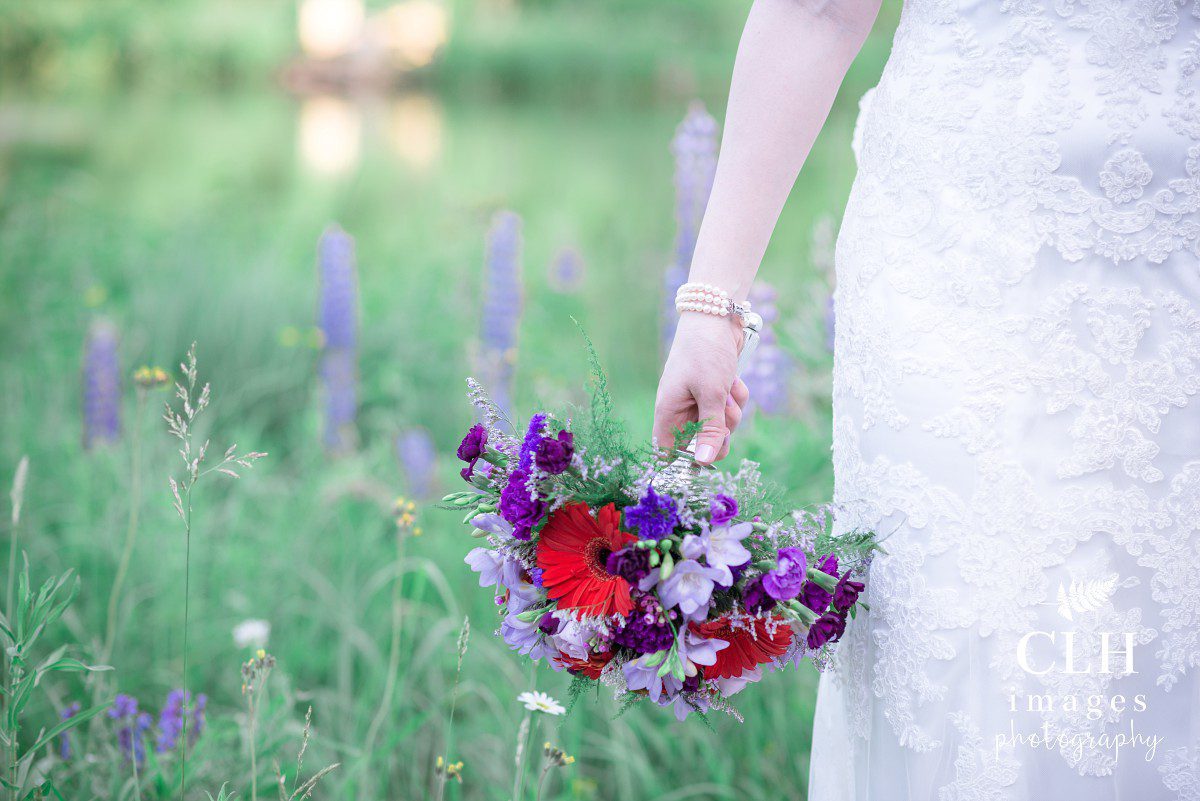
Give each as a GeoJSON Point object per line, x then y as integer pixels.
{"type": "Point", "coordinates": [655, 516]}
{"type": "Point", "coordinates": [647, 629]}
{"type": "Point", "coordinates": [549, 624]}
{"type": "Point", "coordinates": [471, 449]}
{"type": "Point", "coordinates": [815, 597]}
{"type": "Point", "coordinates": [846, 593]}
{"type": "Point", "coordinates": [829, 565]}
{"type": "Point", "coordinates": [631, 564]}
{"type": "Point", "coordinates": [755, 598]}
{"type": "Point", "coordinates": [722, 509]}
{"type": "Point", "coordinates": [827, 628]}
{"type": "Point", "coordinates": [553, 455]}
{"type": "Point", "coordinates": [518, 508]}
{"type": "Point", "coordinates": [784, 582]}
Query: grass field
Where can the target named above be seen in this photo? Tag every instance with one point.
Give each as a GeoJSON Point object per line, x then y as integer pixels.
{"type": "Point", "coordinates": [185, 217]}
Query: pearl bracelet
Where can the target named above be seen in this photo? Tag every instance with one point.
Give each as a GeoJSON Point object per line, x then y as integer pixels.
{"type": "Point", "coordinates": [708, 299]}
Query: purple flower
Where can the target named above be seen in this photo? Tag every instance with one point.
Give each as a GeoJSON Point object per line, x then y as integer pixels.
{"type": "Point", "coordinates": [549, 624]}
{"type": "Point", "coordinates": [738, 570]}
{"type": "Point", "coordinates": [337, 317]}
{"type": "Point", "coordinates": [131, 727]}
{"type": "Point", "coordinates": [418, 458]}
{"type": "Point", "coordinates": [767, 375]}
{"type": "Point", "coordinates": [829, 564]}
{"type": "Point", "coordinates": [497, 570]}
{"type": "Point", "coordinates": [755, 597]}
{"type": "Point", "coordinates": [647, 629]}
{"type": "Point", "coordinates": [695, 150]}
{"type": "Point", "coordinates": [529, 445]}
{"type": "Point", "coordinates": [567, 270]}
{"type": "Point", "coordinates": [553, 456]}
{"type": "Point", "coordinates": [502, 301]}
{"type": "Point", "coordinates": [827, 628]}
{"type": "Point", "coordinates": [689, 588]}
{"type": "Point", "coordinates": [518, 508]}
{"type": "Point", "coordinates": [172, 722]}
{"type": "Point", "coordinates": [525, 637]}
{"type": "Point", "coordinates": [64, 739]}
{"type": "Point", "coordinates": [655, 516]}
{"type": "Point", "coordinates": [641, 676]}
{"type": "Point", "coordinates": [722, 509]}
{"type": "Point", "coordinates": [630, 563]}
{"type": "Point", "coordinates": [695, 650]}
{"type": "Point", "coordinates": [846, 593]}
{"type": "Point", "coordinates": [721, 548]}
{"type": "Point", "coordinates": [472, 448]}
{"type": "Point", "coordinates": [785, 580]}
{"type": "Point", "coordinates": [815, 597]}
{"type": "Point", "coordinates": [101, 385]}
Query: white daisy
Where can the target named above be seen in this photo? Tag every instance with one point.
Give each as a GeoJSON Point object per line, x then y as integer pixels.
{"type": "Point", "coordinates": [540, 702]}
{"type": "Point", "coordinates": [252, 633]}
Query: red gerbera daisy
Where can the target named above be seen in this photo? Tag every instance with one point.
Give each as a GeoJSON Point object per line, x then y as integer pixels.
{"type": "Point", "coordinates": [591, 667]}
{"type": "Point", "coordinates": [747, 650]}
{"type": "Point", "coordinates": [572, 551]}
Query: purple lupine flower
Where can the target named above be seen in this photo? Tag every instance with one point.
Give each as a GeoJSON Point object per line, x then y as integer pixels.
{"type": "Point", "coordinates": [630, 563]}
{"type": "Point", "coordinates": [418, 458]}
{"type": "Point", "coordinates": [131, 727]}
{"type": "Point", "coordinates": [721, 548]}
{"type": "Point", "coordinates": [654, 516]}
{"type": "Point", "coordinates": [64, 739]}
{"type": "Point", "coordinates": [689, 588]}
{"type": "Point", "coordinates": [846, 593]}
{"type": "Point", "coordinates": [337, 317]}
{"type": "Point", "coordinates": [827, 628]}
{"type": "Point", "coordinates": [199, 720]}
{"type": "Point", "coordinates": [502, 303]}
{"type": "Point", "coordinates": [172, 722]}
{"type": "Point", "coordinates": [554, 454]}
{"type": "Point", "coordinates": [722, 509]}
{"type": "Point", "coordinates": [101, 385]}
{"type": "Point", "coordinates": [647, 629]}
{"type": "Point", "coordinates": [529, 444]}
{"type": "Point", "coordinates": [755, 597]}
{"type": "Point", "coordinates": [769, 371]}
{"type": "Point", "coordinates": [695, 150]}
{"type": "Point", "coordinates": [567, 270]}
{"type": "Point", "coordinates": [518, 508]}
{"type": "Point", "coordinates": [785, 580]}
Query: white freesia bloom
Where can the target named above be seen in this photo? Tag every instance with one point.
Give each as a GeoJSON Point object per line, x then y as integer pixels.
{"type": "Point", "coordinates": [540, 702]}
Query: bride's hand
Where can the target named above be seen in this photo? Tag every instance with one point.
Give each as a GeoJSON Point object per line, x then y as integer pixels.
{"type": "Point", "coordinates": [699, 382]}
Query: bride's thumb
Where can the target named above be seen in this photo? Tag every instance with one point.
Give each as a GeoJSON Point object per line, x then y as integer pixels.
{"type": "Point", "coordinates": [713, 433]}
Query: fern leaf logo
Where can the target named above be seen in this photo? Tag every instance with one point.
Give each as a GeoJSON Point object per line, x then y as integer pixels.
{"type": "Point", "coordinates": [1084, 596]}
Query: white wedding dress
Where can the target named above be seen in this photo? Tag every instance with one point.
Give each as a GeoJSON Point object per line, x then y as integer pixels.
{"type": "Point", "coordinates": [1015, 406]}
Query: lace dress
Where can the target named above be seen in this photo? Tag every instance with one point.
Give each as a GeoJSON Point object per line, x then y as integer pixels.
{"type": "Point", "coordinates": [1015, 403]}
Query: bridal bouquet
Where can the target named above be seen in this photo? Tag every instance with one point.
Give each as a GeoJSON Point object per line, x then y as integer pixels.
{"type": "Point", "coordinates": [641, 570]}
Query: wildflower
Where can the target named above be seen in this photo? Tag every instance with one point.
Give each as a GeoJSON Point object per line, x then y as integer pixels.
{"type": "Point", "coordinates": [472, 448]}
{"type": "Point", "coordinates": [695, 150]}
{"type": "Point", "coordinates": [502, 302]}
{"type": "Point", "coordinates": [573, 553]}
{"type": "Point", "coordinates": [785, 580]}
{"type": "Point", "coordinates": [567, 270]}
{"type": "Point", "coordinates": [64, 739]}
{"type": "Point", "coordinates": [251, 633]}
{"type": "Point", "coordinates": [654, 516]}
{"type": "Point", "coordinates": [556, 757]}
{"type": "Point", "coordinates": [151, 377]}
{"type": "Point", "coordinates": [337, 317]}
{"type": "Point", "coordinates": [173, 722]}
{"type": "Point", "coordinates": [553, 455]}
{"type": "Point", "coordinates": [723, 509]}
{"type": "Point", "coordinates": [518, 508]}
{"type": "Point", "coordinates": [827, 628]}
{"type": "Point", "coordinates": [101, 385]}
{"type": "Point", "coordinates": [404, 512]}
{"type": "Point", "coordinates": [451, 770]}
{"type": "Point", "coordinates": [255, 671]}
{"type": "Point", "coordinates": [541, 702]}
{"type": "Point", "coordinates": [767, 374]}
{"type": "Point", "coordinates": [418, 458]}
{"type": "Point", "coordinates": [131, 727]}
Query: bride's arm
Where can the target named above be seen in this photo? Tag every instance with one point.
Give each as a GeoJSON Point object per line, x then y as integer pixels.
{"type": "Point", "coordinates": [792, 59]}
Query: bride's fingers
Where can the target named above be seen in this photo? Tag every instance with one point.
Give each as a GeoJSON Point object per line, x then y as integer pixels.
{"type": "Point", "coordinates": [740, 393]}
{"type": "Point", "coordinates": [733, 414]}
